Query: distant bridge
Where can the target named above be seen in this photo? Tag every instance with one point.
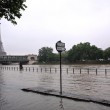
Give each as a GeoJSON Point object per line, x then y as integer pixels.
{"type": "Point", "coordinates": [7, 59]}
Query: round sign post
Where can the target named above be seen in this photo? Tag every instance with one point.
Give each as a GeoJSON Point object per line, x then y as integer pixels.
{"type": "Point", "coordinates": [60, 47]}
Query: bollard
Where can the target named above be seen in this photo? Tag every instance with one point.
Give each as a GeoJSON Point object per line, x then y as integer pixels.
{"type": "Point", "coordinates": [55, 70]}
{"type": "Point", "coordinates": [88, 70]}
{"type": "Point", "coordinates": [50, 70]}
{"type": "Point", "coordinates": [33, 69]}
{"type": "Point", "coordinates": [67, 70]}
{"type": "Point", "coordinates": [26, 68]}
{"type": "Point", "coordinates": [41, 69]}
{"type": "Point", "coordinates": [105, 71]}
{"type": "Point", "coordinates": [29, 68]}
{"type": "Point", "coordinates": [17, 68]}
{"type": "Point", "coordinates": [80, 71]}
{"type": "Point", "coordinates": [45, 69]}
{"type": "Point", "coordinates": [73, 70]}
{"type": "Point", "coordinates": [96, 71]}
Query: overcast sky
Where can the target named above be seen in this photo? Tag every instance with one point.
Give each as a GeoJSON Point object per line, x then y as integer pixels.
{"type": "Point", "coordinates": [45, 22]}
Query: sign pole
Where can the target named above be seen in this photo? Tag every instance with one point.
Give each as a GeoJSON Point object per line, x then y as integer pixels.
{"type": "Point", "coordinates": [60, 75]}
{"type": "Point", "coordinates": [60, 47]}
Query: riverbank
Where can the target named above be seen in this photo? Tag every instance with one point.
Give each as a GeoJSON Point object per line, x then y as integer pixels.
{"type": "Point", "coordinates": [71, 96]}
{"type": "Point", "coordinates": [93, 62]}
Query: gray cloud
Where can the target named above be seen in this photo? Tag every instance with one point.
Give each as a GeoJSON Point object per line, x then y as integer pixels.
{"type": "Point", "coordinates": [46, 21]}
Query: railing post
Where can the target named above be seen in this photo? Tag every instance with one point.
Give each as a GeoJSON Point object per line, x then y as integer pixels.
{"type": "Point", "coordinates": [105, 71]}
{"type": "Point", "coordinates": [45, 69]}
{"type": "Point", "coordinates": [26, 68]}
{"type": "Point", "coordinates": [73, 70]}
{"type": "Point", "coordinates": [50, 70]}
{"type": "Point", "coordinates": [88, 70]}
{"type": "Point", "coordinates": [33, 68]}
{"type": "Point", "coordinates": [96, 71]}
{"type": "Point", "coordinates": [67, 70]}
{"type": "Point", "coordinates": [29, 68]}
{"type": "Point", "coordinates": [55, 70]}
{"type": "Point", "coordinates": [17, 68]}
{"type": "Point", "coordinates": [80, 70]}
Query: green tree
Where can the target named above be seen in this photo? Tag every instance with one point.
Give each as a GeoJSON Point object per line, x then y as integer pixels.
{"type": "Point", "coordinates": [84, 51]}
{"type": "Point", "coordinates": [95, 53]}
{"type": "Point", "coordinates": [79, 52]}
{"type": "Point", "coordinates": [56, 57]}
{"type": "Point", "coordinates": [64, 56]}
{"type": "Point", "coordinates": [73, 54]}
{"type": "Point", "coordinates": [9, 9]}
{"type": "Point", "coordinates": [45, 55]}
{"type": "Point", "coordinates": [107, 53]}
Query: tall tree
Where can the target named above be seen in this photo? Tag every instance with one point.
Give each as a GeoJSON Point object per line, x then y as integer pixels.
{"type": "Point", "coordinates": [107, 53]}
{"type": "Point", "coordinates": [84, 51]}
{"type": "Point", "coordinates": [95, 53]}
{"type": "Point", "coordinates": [10, 9]}
{"type": "Point", "coordinates": [45, 54]}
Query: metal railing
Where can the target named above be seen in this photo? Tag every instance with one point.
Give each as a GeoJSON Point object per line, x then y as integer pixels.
{"type": "Point", "coordinates": [55, 70]}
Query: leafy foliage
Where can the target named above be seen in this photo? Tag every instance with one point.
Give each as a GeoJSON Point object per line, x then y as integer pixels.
{"type": "Point", "coordinates": [9, 9]}
{"type": "Point", "coordinates": [107, 53]}
{"type": "Point", "coordinates": [45, 54]}
{"type": "Point", "coordinates": [84, 51]}
{"type": "Point", "coordinates": [79, 52]}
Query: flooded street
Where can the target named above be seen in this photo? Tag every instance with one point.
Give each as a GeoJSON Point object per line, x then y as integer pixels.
{"type": "Point", "coordinates": [92, 80]}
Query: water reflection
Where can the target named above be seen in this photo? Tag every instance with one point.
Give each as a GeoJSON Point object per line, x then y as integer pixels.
{"type": "Point", "coordinates": [61, 104]}
{"type": "Point", "coordinates": [2, 97]}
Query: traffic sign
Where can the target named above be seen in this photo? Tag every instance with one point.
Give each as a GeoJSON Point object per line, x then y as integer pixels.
{"type": "Point", "coordinates": [60, 46]}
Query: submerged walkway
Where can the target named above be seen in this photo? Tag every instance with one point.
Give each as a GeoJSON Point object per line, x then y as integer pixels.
{"type": "Point", "coordinates": [76, 97]}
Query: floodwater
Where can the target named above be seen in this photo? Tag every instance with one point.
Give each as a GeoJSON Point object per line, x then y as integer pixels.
{"type": "Point", "coordinates": [75, 79]}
